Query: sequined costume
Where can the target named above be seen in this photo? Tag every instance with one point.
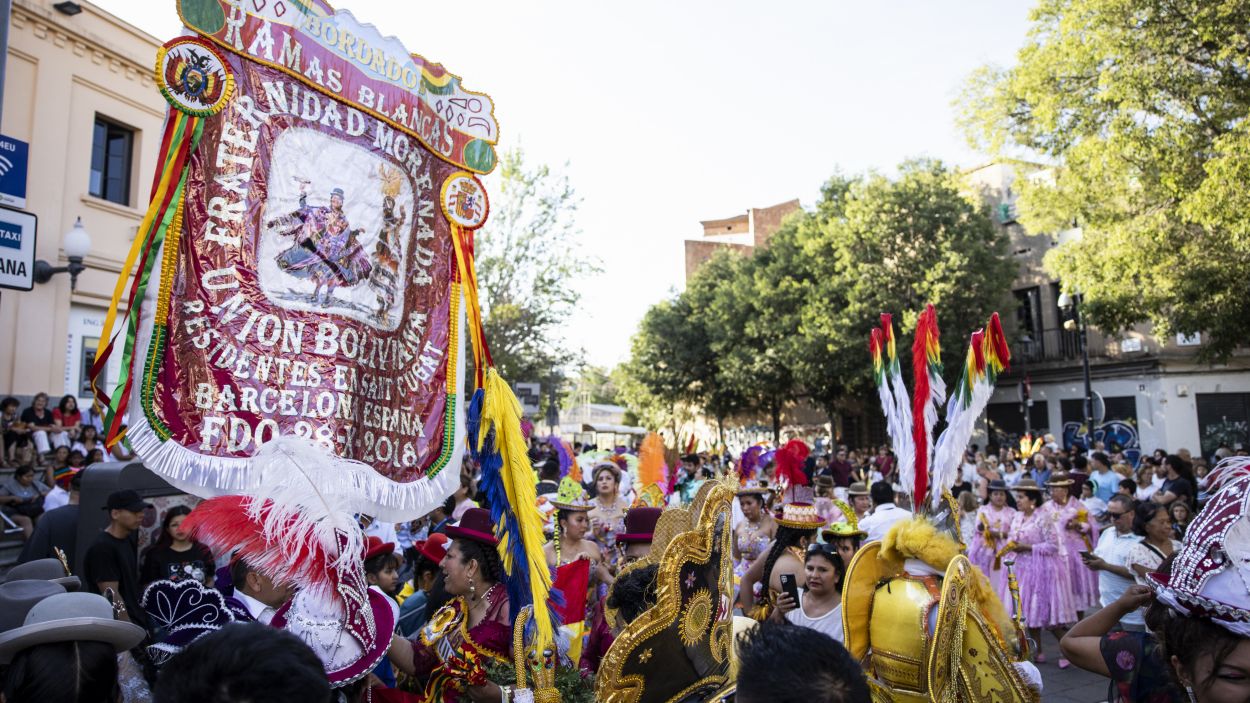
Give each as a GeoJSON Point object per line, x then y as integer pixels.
{"type": "Point", "coordinates": [447, 655]}
{"type": "Point", "coordinates": [751, 544]}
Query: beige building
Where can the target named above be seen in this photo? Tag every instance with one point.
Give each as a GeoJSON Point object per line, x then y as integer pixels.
{"type": "Point", "coordinates": [741, 233]}
{"type": "Point", "coordinates": [80, 90]}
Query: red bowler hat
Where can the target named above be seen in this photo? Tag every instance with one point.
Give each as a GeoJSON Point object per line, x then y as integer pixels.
{"type": "Point", "coordinates": [475, 525]}
{"type": "Point", "coordinates": [640, 524]}
{"type": "Point", "coordinates": [434, 548]}
{"type": "Point", "coordinates": [375, 546]}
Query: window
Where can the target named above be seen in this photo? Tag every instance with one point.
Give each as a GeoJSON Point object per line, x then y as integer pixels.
{"type": "Point", "coordinates": [111, 146]}
{"type": "Point", "coordinates": [85, 361]}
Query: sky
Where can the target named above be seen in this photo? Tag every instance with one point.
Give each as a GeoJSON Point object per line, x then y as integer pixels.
{"type": "Point", "coordinates": [668, 113]}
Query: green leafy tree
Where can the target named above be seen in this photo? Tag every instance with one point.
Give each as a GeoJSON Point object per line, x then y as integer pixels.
{"type": "Point", "coordinates": [1143, 106]}
{"type": "Point", "coordinates": [528, 264]}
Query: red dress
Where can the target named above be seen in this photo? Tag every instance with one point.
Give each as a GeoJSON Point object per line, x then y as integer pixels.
{"type": "Point", "coordinates": [448, 657]}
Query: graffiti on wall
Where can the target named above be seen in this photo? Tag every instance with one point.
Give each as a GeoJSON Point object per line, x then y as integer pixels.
{"type": "Point", "coordinates": [1113, 434]}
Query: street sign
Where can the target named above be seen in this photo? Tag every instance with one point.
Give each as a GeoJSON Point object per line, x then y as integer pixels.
{"type": "Point", "coordinates": [14, 157]}
{"type": "Point", "coordinates": [528, 394]}
{"type": "Point", "coordinates": [17, 249]}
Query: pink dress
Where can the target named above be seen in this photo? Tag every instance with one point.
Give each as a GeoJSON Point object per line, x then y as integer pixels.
{"type": "Point", "coordinates": [1044, 596]}
{"type": "Point", "coordinates": [982, 549]}
{"type": "Point", "coordinates": [1081, 580]}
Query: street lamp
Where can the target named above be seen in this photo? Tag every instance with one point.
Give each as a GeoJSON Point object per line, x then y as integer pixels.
{"type": "Point", "coordinates": [76, 243]}
{"type": "Point", "coordinates": [1074, 320]}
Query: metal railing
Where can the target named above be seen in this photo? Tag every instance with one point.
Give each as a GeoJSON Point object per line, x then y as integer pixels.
{"type": "Point", "coordinates": [1057, 345]}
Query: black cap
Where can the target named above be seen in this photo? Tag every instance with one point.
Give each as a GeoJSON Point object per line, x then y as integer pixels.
{"type": "Point", "coordinates": [126, 500]}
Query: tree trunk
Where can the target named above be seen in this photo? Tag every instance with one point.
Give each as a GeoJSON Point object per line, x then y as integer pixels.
{"type": "Point", "coordinates": [776, 411]}
{"type": "Point", "coordinates": [720, 430]}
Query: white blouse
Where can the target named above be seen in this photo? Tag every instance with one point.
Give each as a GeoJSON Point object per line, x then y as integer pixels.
{"type": "Point", "coordinates": [830, 623]}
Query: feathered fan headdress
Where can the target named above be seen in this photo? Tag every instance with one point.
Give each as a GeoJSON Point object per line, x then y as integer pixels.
{"type": "Point", "coordinates": [927, 468]}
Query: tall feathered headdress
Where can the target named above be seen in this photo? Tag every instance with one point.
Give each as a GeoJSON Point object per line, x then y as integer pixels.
{"type": "Point", "coordinates": [790, 460]}
{"type": "Point", "coordinates": [925, 467]}
{"type": "Point", "coordinates": [652, 470]}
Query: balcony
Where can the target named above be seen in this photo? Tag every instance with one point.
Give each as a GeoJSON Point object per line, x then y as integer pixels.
{"type": "Point", "coordinates": [1058, 345]}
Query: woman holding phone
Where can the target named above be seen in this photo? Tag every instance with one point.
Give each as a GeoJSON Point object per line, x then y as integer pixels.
{"type": "Point", "coordinates": [819, 605]}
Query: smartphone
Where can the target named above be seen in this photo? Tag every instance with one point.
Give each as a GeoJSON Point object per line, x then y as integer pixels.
{"type": "Point", "coordinates": [1085, 555]}
{"type": "Point", "coordinates": [790, 586]}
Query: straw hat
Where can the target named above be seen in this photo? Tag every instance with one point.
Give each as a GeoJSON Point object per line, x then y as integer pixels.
{"type": "Point", "coordinates": [1027, 484]}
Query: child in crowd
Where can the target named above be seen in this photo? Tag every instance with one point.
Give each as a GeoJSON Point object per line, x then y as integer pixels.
{"type": "Point", "coordinates": [382, 571]}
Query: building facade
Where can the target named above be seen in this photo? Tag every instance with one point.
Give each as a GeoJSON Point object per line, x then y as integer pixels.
{"type": "Point", "coordinates": [80, 90]}
{"type": "Point", "coordinates": [741, 233]}
{"type": "Point", "coordinates": [1148, 392]}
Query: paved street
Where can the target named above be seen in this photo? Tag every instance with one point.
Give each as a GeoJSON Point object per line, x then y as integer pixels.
{"type": "Point", "coordinates": [1072, 685]}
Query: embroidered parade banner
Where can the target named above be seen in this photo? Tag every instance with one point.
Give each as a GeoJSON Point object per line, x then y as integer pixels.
{"type": "Point", "coordinates": [316, 186]}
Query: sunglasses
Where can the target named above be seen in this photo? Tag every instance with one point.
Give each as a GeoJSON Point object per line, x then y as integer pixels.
{"type": "Point", "coordinates": [1115, 516]}
{"type": "Point", "coordinates": [826, 549]}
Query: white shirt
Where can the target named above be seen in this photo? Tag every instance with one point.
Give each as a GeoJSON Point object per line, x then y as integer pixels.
{"type": "Point", "coordinates": [386, 532]}
{"type": "Point", "coordinates": [55, 498]}
{"type": "Point", "coordinates": [830, 623]}
{"type": "Point", "coordinates": [255, 608]}
{"type": "Point", "coordinates": [882, 519]}
{"type": "Point", "coordinates": [1113, 548]}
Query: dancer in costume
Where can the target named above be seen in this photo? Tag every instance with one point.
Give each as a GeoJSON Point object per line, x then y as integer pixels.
{"type": "Point", "coordinates": [926, 625]}
{"type": "Point", "coordinates": [577, 563]}
{"type": "Point", "coordinates": [607, 516]}
{"type": "Point", "coordinates": [449, 655]}
{"type": "Point", "coordinates": [753, 535]}
{"type": "Point", "coordinates": [1078, 532]}
{"type": "Point", "coordinates": [326, 249]}
{"type": "Point", "coordinates": [1032, 541]}
{"type": "Point", "coordinates": [991, 524]}
{"type": "Point", "coordinates": [796, 528]}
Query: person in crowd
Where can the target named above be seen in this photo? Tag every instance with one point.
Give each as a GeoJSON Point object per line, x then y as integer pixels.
{"type": "Point", "coordinates": [463, 497]}
{"type": "Point", "coordinates": [860, 499]}
{"type": "Point", "coordinates": [21, 498]}
{"type": "Point", "coordinates": [968, 506]}
{"type": "Point", "coordinates": [440, 517]}
{"type": "Point", "coordinates": [478, 622]}
{"type": "Point", "coordinates": [796, 529]}
{"type": "Point", "coordinates": [57, 529]}
{"type": "Point", "coordinates": [111, 568]}
{"type": "Point", "coordinates": [59, 495]}
{"type": "Point", "coordinates": [992, 522]}
{"type": "Point", "coordinates": [820, 602]}
{"type": "Point", "coordinates": [57, 463]}
{"type": "Point", "coordinates": [175, 556]}
{"type": "Point", "coordinates": [548, 476]}
{"type": "Point", "coordinates": [96, 456]}
{"type": "Point", "coordinates": [607, 515]}
{"type": "Point", "coordinates": [1078, 532]}
{"type": "Point", "coordinates": [1146, 486]}
{"type": "Point", "coordinates": [1153, 525]}
{"type": "Point", "coordinates": [840, 468]}
{"type": "Point", "coordinates": [633, 593]}
{"type": "Point", "coordinates": [66, 418]}
{"type": "Point", "coordinates": [1178, 481]}
{"type": "Point", "coordinates": [251, 595]}
{"type": "Point", "coordinates": [635, 542]}
{"type": "Point", "coordinates": [38, 420]}
{"type": "Point", "coordinates": [381, 529]}
{"type": "Point", "coordinates": [757, 529]}
{"type": "Point", "coordinates": [1110, 558]}
{"type": "Point", "coordinates": [883, 462]}
{"type": "Point", "coordinates": [1197, 645]}
{"type": "Point", "coordinates": [1092, 503]}
{"type": "Point", "coordinates": [1104, 479]}
{"type": "Point", "coordinates": [15, 434]}
{"type": "Point", "coordinates": [1127, 487]}
{"type": "Point", "coordinates": [1181, 514]}
{"type": "Point", "coordinates": [121, 450]}
{"type": "Point", "coordinates": [780, 663]}
{"type": "Point", "coordinates": [1010, 470]}
{"type": "Point", "coordinates": [77, 460]}
{"type": "Point", "coordinates": [884, 512]}
{"type": "Point", "coordinates": [413, 612]}
{"type": "Point", "coordinates": [244, 662]}
{"type": "Point", "coordinates": [845, 537]}
{"type": "Point", "coordinates": [1045, 596]}
{"type": "Point", "coordinates": [64, 646]}
{"type": "Point", "coordinates": [382, 572]}
{"type": "Point", "coordinates": [88, 441]}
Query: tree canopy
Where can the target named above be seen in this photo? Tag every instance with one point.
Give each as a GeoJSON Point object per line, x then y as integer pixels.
{"type": "Point", "coordinates": [528, 263]}
{"type": "Point", "coordinates": [791, 320]}
{"type": "Point", "coordinates": [1142, 107]}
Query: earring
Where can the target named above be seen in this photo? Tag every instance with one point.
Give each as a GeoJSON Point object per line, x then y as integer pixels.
{"type": "Point", "coordinates": [472, 589]}
{"type": "Point", "coordinates": [1190, 690]}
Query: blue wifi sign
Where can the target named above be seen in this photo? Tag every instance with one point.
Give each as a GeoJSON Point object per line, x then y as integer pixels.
{"type": "Point", "coordinates": [14, 157]}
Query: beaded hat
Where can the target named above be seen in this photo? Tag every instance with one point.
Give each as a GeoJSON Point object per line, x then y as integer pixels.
{"type": "Point", "coordinates": [800, 516]}
{"type": "Point", "coordinates": [1211, 571]}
